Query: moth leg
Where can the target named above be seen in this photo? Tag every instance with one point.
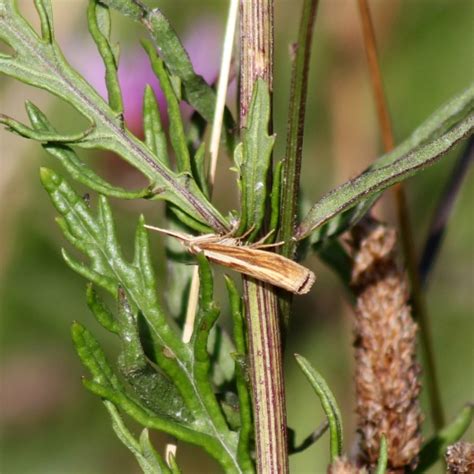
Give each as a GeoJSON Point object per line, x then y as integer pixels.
{"type": "Point", "coordinates": [260, 244]}
{"type": "Point", "coordinates": [246, 233]}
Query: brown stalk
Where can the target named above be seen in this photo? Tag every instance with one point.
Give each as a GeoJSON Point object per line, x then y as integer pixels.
{"type": "Point", "coordinates": [261, 308]}
{"type": "Point", "coordinates": [387, 383]}
{"type": "Point", "coordinates": [344, 466]}
{"type": "Point", "coordinates": [460, 458]}
{"type": "Point", "coordinates": [406, 232]}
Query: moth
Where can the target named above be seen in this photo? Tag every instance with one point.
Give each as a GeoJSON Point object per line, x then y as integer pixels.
{"type": "Point", "coordinates": [248, 259]}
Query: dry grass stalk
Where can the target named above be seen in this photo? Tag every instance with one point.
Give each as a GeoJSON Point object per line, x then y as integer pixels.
{"type": "Point", "coordinates": [460, 458]}
{"type": "Point", "coordinates": [387, 384]}
{"type": "Point", "coordinates": [343, 466]}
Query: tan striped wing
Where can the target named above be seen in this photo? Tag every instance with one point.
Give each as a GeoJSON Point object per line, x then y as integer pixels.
{"type": "Point", "coordinates": [262, 265]}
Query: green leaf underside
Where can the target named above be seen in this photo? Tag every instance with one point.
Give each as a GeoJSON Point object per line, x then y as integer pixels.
{"type": "Point", "coordinates": [41, 64]}
{"type": "Point", "coordinates": [329, 404]}
{"type": "Point", "coordinates": [73, 165]}
{"type": "Point", "coordinates": [335, 212]}
{"type": "Point", "coordinates": [134, 283]}
{"type": "Point", "coordinates": [381, 176]}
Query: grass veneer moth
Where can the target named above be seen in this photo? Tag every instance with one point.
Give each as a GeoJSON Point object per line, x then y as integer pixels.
{"type": "Point", "coordinates": [248, 259]}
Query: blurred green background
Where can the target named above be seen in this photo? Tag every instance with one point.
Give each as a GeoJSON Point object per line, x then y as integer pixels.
{"type": "Point", "coordinates": [49, 423]}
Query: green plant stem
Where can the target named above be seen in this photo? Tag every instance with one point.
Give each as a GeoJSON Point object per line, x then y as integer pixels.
{"type": "Point", "coordinates": [261, 308]}
{"type": "Point", "coordinates": [294, 140]}
{"type": "Point", "coordinates": [420, 312]}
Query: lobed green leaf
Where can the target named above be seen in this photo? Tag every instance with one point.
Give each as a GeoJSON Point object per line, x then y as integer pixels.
{"type": "Point", "coordinates": [145, 454]}
{"type": "Point", "coordinates": [45, 13]}
{"type": "Point", "coordinates": [93, 358]}
{"type": "Point", "coordinates": [176, 132]}
{"type": "Point", "coordinates": [155, 137]}
{"type": "Point", "coordinates": [73, 165]}
{"type": "Point", "coordinates": [101, 312]}
{"type": "Point", "coordinates": [98, 17]}
{"type": "Point", "coordinates": [41, 64]}
{"type": "Point", "coordinates": [181, 385]}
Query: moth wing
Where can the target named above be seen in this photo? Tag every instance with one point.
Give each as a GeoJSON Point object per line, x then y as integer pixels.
{"type": "Point", "coordinates": [262, 265]}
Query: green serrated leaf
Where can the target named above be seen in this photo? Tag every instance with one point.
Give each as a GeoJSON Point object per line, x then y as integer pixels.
{"type": "Point", "coordinates": [328, 403]}
{"type": "Point", "coordinates": [129, 8]}
{"type": "Point", "coordinates": [14, 126]}
{"type": "Point", "coordinates": [73, 165]}
{"type": "Point", "coordinates": [257, 147]}
{"type": "Point", "coordinates": [101, 312]}
{"type": "Point", "coordinates": [45, 12]}
{"type": "Point", "coordinates": [155, 137]}
{"type": "Point", "coordinates": [98, 17]}
{"type": "Point", "coordinates": [199, 168]}
{"type": "Point", "coordinates": [435, 448]}
{"type": "Point", "coordinates": [152, 387]}
{"type": "Point", "coordinates": [85, 271]}
{"type": "Point", "coordinates": [186, 365]}
{"type": "Point", "coordinates": [207, 312]}
{"type": "Point", "coordinates": [132, 358]}
{"type": "Point", "coordinates": [147, 419]}
{"type": "Point", "coordinates": [146, 456]}
{"type": "Point", "coordinates": [93, 357]}
{"type": "Point", "coordinates": [176, 132]}
{"type": "Point", "coordinates": [41, 64]}
{"type": "Point", "coordinates": [440, 122]}
{"type": "Point", "coordinates": [150, 454]}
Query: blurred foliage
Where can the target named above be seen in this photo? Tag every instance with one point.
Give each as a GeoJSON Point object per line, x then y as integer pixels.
{"type": "Point", "coordinates": [426, 58]}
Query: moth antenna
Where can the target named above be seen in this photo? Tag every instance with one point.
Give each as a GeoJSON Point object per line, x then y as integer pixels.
{"type": "Point", "coordinates": [172, 233]}
{"type": "Point", "coordinates": [257, 245]}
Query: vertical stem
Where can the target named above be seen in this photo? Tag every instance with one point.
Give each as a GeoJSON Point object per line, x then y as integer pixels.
{"type": "Point", "coordinates": [406, 233]}
{"type": "Point", "coordinates": [256, 49]}
{"type": "Point", "coordinates": [261, 308]}
{"type": "Point", "coordinates": [294, 141]}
